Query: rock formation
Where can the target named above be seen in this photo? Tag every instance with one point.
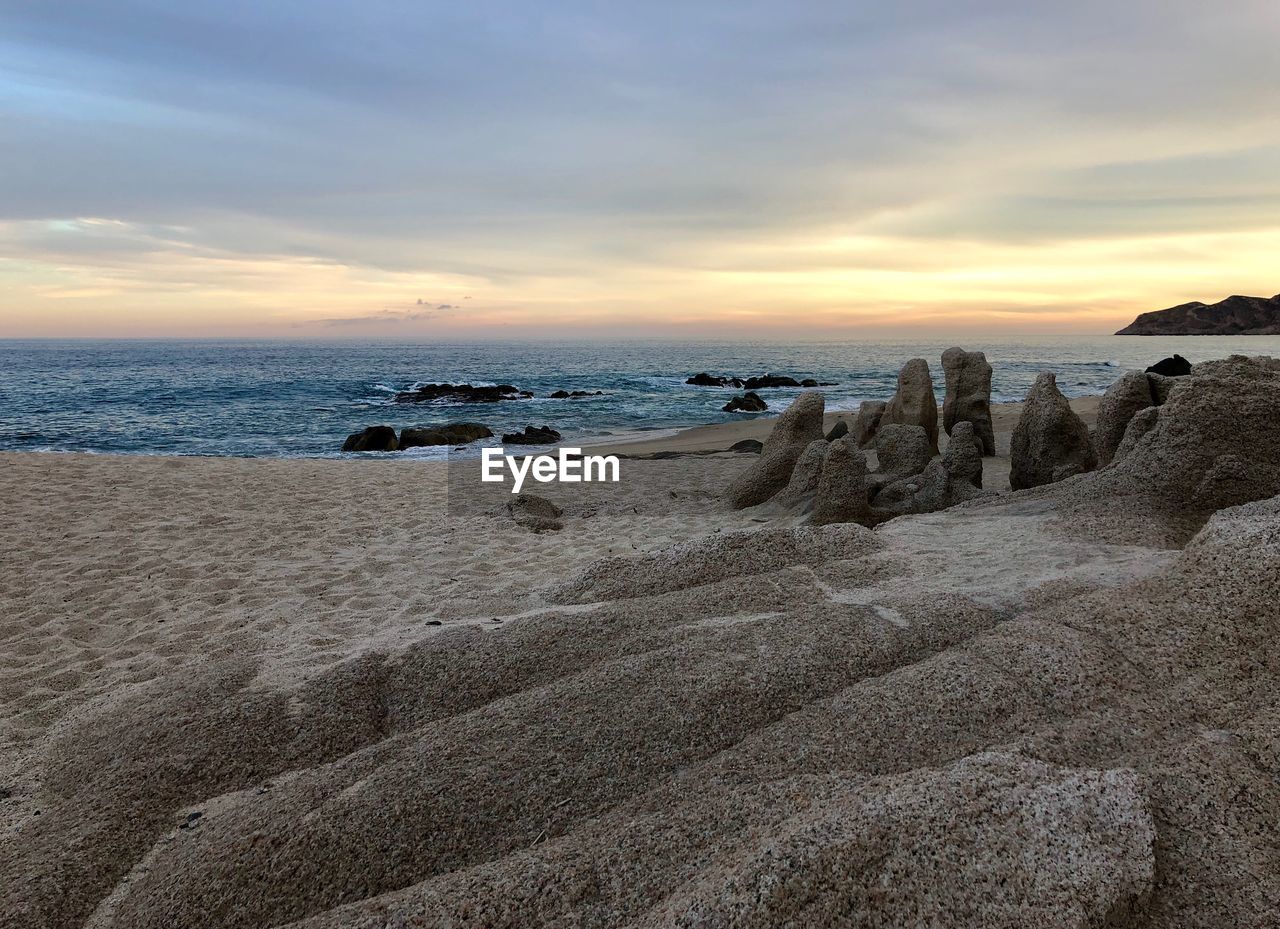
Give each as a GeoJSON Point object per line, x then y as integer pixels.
{"type": "Point", "coordinates": [915, 404]}
{"type": "Point", "coordinates": [372, 439]}
{"type": "Point", "coordinates": [535, 513]}
{"type": "Point", "coordinates": [1233, 316]}
{"type": "Point", "coordinates": [839, 430]}
{"type": "Point", "coordinates": [968, 395]}
{"type": "Point", "coordinates": [963, 458]}
{"type": "Point", "coordinates": [842, 487]}
{"type": "Point", "coordinates": [865, 424]}
{"type": "Point", "coordinates": [1176, 366]}
{"type": "Point", "coordinates": [443, 434]}
{"type": "Point", "coordinates": [901, 451]}
{"type": "Point", "coordinates": [574, 394]}
{"type": "Point", "coordinates": [1050, 442]}
{"type": "Point", "coordinates": [532, 435]}
{"type": "Point", "coordinates": [804, 476]}
{"type": "Point", "coordinates": [1122, 400]}
{"type": "Point", "coordinates": [794, 430]}
{"type": "Point", "coordinates": [747, 403]}
{"type": "Point", "coordinates": [1142, 422]}
{"type": "Point", "coordinates": [462, 393]}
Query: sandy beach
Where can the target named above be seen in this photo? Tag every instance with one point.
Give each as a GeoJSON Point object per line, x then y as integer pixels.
{"type": "Point", "coordinates": [251, 692]}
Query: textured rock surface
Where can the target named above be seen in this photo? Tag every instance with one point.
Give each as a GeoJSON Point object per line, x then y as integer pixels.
{"type": "Point", "coordinates": [443, 434]}
{"type": "Point", "coordinates": [901, 451]}
{"type": "Point", "coordinates": [1126, 397]}
{"type": "Point", "coordinates": [915, 403]}
{"type": "Point", "coordinates": [794, 430]}
{"type": "Point", "coordinates": [1142, 422]}
{"type": "Point", "coordinates": [842, 487]}
{"type": "Point", "coordinates": [804, 476]}
{"type": "Point", "coordinates": [536, 513]}
{"type": "Point", "coordinates": [963, 458]}
{"type": "Point", "coordinates": [968, 395]}
{"type": "Point", "coordinates": [839, 430]}
{"type": "Point", "coordinates": [532, 435]}
{"type": "Point", "coordinates": [867, 422]}
{"type": "Point", "coordinates": [747, 403]}
{"type": "Point", "coordinates": [1050, 442]}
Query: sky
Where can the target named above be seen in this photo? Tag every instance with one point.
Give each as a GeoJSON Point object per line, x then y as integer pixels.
{"type": "Point", "coordinates": [356, 168]}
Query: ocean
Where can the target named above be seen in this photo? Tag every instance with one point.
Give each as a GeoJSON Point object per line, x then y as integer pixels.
{"type": "Point", "coordinates": [301, 399]}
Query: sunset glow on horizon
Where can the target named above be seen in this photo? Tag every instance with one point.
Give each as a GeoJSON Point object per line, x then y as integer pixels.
{"type": "Point", "coordinates": [333, 169]}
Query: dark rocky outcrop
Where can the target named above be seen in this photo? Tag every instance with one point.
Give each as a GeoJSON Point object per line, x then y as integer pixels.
{"type": "Point", "coordinates": [747, 403]}
{"type": "Point", "coordinates": [443, 434]}
{"type": "Point", "coordinates": [838, 431]}
{"type": "Point", "coordinates": [1235, 315]}
{"type": "Point", "coordinates": [462, 393]}
{"type": "Point", "coordinates": [372, 439]}
{"type": "Point", "coordinates": [968, 395]}
{"type": "Point", "coordinates": [1050, 443]}
{"type": "Point", "coordinates": [1177, 366]}
{"type": "Point", "coordinates": [794, 430]}
{"type": "Point", "coordinates": [759, 382]}
{"type": "Point", "coordinates": [914, 403]}
{"type": "Point", "coordinates": [571, 394]}
{"type": "Point", "coordinates": [532, 435]}
{"type": "Point", "coordinates": [747, 446]}
{"type": "Point", "coordinates": [703, 379]}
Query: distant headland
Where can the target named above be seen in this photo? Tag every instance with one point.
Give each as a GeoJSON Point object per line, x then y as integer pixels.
{"type": "Point", "coordinates": [1233, 316]}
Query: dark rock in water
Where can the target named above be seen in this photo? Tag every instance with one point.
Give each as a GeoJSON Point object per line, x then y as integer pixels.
{"type": "Point", "coordinates": [771, 380]}
{"type": "Point", "coordinates": [1177, 366]}
{"type": "Point", "coordinates": [444, 434]}
{"type": "Point", "coordinates": [839, 430]}
{"type": "Point", "coordinates": [747, 445]}
{"type": "Point", "coordinates": [1233, 316]}
{"type": "Point", "coordinates": [462, 393]}
{"type": "Point", "coordinates": [532, 435]}
{"type": "Point", "coordinates": [372, 439]}
{"type": "Point", "coordinates": [747, 403]}
{"type": "Point", "coordinates": [536, 513]}
{"type": "Point", "coordinates": [711, 380]}
{"type": "Point", "coordinates": [568, 394]}
{"type": "Point", "coordinates": [1050, 443]}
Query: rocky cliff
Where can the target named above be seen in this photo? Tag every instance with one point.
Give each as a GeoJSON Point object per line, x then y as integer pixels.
{"type": "Point", "coordinates": [1232, 316]}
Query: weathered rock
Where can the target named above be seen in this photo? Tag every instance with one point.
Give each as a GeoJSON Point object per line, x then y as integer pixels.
{"type": "Point", "coordinates": [963, 458]}
{"type": "Point", "coordinates": [902, 451]}
{"type": "Point", "coordinates": [748, 446]}
{"type": "Point", "coordinates": [443, 434]}
{"type": "Point", "coordinates": [703, 379]}
{"type": "Point", "coordinates": [770, 380]}
{"type": "Point", "coordinates": [573, 394]}
{"type": "Point", "coordinates": [841, 495]}
{"type": "Point", "coordinates": [968, 395]}
{"type": "Point", "coordinates": [804, 476]}
{"type": "Point", "coordinates": [536, 513]}
{"type": "Point", "coordinates": [794, 430]}
{"type": "Point", "coordinates": [1160, 387]}
{"type": "Point", "coordinates": [1122, 400]}
{"type": "Point", "coordinates": [1050, 442]}
{"type": "Point", "coordinates": [1177, 366]}
{"type": "Point", "coordinates": [1142, 422]}
{"type": "Point", "coordinates": [747, 403]}
{"type": "Point", "coordinates": [532, 435]}
{"type": "Point", "coordinates": [865, 424]}
{"type": "Point", "coordinates": [1236, 315]}
{"type": "Point", "coordinates": [838, 431]}
{"type": "Point", "coordinates": [372, 439]}
{"type": "Point", "coordinates": [1240, 365]}
{"type": "Point", "coordinates": [462, 393]}
{"type": "Point", "coordinates": [914, 404]}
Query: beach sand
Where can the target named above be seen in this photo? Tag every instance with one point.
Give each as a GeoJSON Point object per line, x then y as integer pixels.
{"type": "Point", "coordinates": [249, 692]}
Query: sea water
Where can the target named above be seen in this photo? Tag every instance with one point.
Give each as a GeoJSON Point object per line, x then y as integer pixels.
{"type": "Point", "coordinates": [301, 399]}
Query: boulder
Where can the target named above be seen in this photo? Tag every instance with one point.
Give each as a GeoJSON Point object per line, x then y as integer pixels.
{"type": "Point", "coordinates": [1160, 387]}
{"type": "Point", "coordinates": [747, 445]}
{"type": "Point", "coordinates": [1050, 442]}
{"type": "Point", "coordinates": [536, 513]}
{"type": "Point", "coordinates": [962, 460]}
{"type": "Point", "coordinates": [968, 395]}
{"type": "Point", "coordinates": [794, 430]}
{"type": "Point", "coordinates": [570, 394]}
{"type": "Point", "coordinates": [1177, 366]}
{"type": "Point", "coordinates": [1142, 422]}
{"type": "Point", "coordinates": [804, 476]}
{"type": "Point", "coordinates": [838, 431]}
{"type": "Point", "coordinates": [532, 435]}
{"type": "Point", "coordinates": [1240, 365]}
{"type": "Point", "coordinates": [372, 439]}
{"type": "Point", "coordinates": [865, 424]}
{"type": "Point", "coordinates": [704, 379]}
{"type": "Point", "coordinates": [1123, 399]}
{"type": "Point", "coordinates": [747, 403]}
{"type": "Point", "coordinates": [443, 434]}
{"type": "Point", "coordinates": [462, 393]}
{"type": "Point", "coordinates": [914, 404]}
{"type": "Point", "coordinates": [841, 494]}
{"type": "Point", "coordinates": [902, 451]}
{"type": "Point", "coordinates": [771, 380]}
